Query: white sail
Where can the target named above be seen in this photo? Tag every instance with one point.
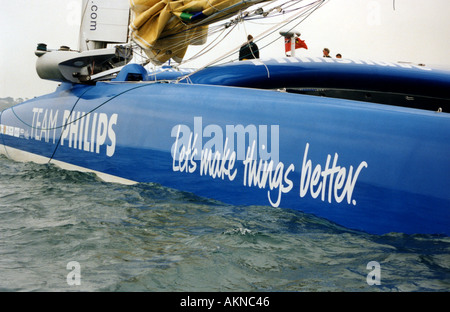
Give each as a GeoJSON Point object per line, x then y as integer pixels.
{"type": "Point", "coordinates": [102, 22]}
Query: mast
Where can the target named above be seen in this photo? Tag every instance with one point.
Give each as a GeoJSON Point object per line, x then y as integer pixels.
{"type": "Point", "coordinates": [103, 22]}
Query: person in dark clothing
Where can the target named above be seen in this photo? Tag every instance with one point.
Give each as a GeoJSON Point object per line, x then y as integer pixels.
{"type": "Point", "coordinates": [249, 50]}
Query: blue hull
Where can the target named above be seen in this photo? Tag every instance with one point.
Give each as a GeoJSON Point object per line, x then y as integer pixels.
{"type": "Point", "coordinates": [366, 166]}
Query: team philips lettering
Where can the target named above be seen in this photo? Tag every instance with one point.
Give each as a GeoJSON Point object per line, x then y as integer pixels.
{"type": "Point", "coordinates": [261, 169]}
{"type": "Point", "coordinates": [88, 132]}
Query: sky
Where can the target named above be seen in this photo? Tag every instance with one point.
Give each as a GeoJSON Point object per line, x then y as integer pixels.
{"type": "Point", "coordinates": [415, 31]}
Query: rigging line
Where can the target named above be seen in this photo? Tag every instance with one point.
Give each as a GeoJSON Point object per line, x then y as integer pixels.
{"type": "Point", "coordinates": [144, 58]}
{"type": "Point", "coordinates": [276, 27]}
{"type": "Point", "coordinates": [293, 3]}
{"type": "Point", "coordinates": [210, 46]}
{"type": "Point", "coordinates": [81, 24]}
{"type": "Point", "coordinates": [229, 53]}
{"type": "Point", "coordinates": [281, 8]}
{"type": "Point", "coordinates": [235, 49]}
{"type": "Point", "coordinates": [82, 116]}
{"type": "Point", "coordinates": [70, 114]}
{"type": "Point", "coordinates": [280, 13]}
{"type": "Point", "coordinates": [211, 19]}
{"type": "Point", "coordinates": [246, 34]}
{"type": "Point", "coordinates": [110, 99]}
{"type": "Point", "coordinates": [155, 73]}
{"type": "Point", "coordinates": [308, 12]}
{"type": "Point", "coordinates": [312, 6]}
{"type": "Point", "coordinates": [201, 23]}
{"type": "Point", "coordinates": [268, 14]}
{"type": "Point", "coordinates": [305, 9]}
{"type": "Point", "coordinates": [296, 16]}
{"type": "Point", "coordinates": [315, 6]}
{"type": "Point", "coordinates": [92, 110]}
{"type": "Point", "coordinates": [36, 128]}
{"type": "Point", "coordinates": [210, 4]}
{"type": "Point", "coordinates": [199, 36]}
{"type": "Point", "coordinates": [209, 32]}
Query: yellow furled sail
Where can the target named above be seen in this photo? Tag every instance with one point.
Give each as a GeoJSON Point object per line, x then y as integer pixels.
{"type": "Point", "coordinates": [165, 28]}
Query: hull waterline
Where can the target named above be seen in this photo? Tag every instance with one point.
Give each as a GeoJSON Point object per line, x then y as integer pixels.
{"type": "Point", "coordinates": [371, 167]}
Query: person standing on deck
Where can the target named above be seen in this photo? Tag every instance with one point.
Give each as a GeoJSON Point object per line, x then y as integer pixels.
{"type": "Point", "coordinates": [249, 50]}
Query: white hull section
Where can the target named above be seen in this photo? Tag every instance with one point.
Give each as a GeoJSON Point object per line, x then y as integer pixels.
{"type": "Point", "coordinates": [23, 156]}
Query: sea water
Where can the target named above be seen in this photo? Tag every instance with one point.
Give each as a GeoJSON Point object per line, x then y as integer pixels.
{"type": "Point", "coordinates": [69, 231]}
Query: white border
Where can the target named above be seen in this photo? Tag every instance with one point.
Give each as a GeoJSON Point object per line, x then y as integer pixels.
{"type": "Point", "coordinates": [23, 156]}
